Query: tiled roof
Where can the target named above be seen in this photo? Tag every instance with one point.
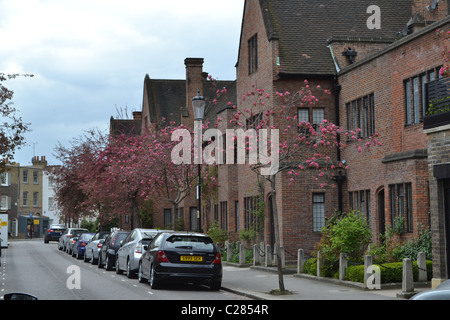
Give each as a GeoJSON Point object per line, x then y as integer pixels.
{"type": "Point", "coordinates": [167, 98]}
{"type": "Point", "coordinates": [303, 28]}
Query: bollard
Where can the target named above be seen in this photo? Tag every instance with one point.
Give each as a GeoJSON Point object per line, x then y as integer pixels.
{"type": "Point", "coordinates": [407, 281]}
{"type": "Point", "coordinates": [301, 261]}
{"type": "Point", "coordinates": [367, 264]}
{"type": "Point", "coordinates": [422, 264]}
{"type": "Point", "coordinates": [268, 257]}
{"type": "Point", "coordinates": [343, 264]}
{"type": "Point", "coordinates": [256, 255]}
{"type": "Point", "coordinates": [241, 254]}
{"type": "Point", "coordinates": [319, 262]}
{"type": "Point", "coordinates": [229, 250]}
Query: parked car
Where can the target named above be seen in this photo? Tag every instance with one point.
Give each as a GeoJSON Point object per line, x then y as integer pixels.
{"type": "Point", "coordinates": [130, 250]}
{"type": "Point", "coordinates": [54, 232]}
{"type": "Point", "coordinates": [442, 292]}
{"type": "Point", "coordinates": [107, 254]}
{"type": "Point", "coordinates": [65, 242]}
{"type": "Point", "coordinates": [94, 246]}
{"type": "Point", "coordinates": [181, 256]}
{"type": "Point", "coordinates": [79, 247]}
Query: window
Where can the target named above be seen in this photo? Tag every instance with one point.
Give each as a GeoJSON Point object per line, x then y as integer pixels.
{"type": "Point", "coordinates": [25, 199]}
{"type": "Point", "coordinates": [25, 176]}
{"type": "Point", "coordinates": [35, 177]}
{"type": "Point", "coordinates": [51, 204]}
{"type": "Point", "coordinates": [253, 54]}
{"type": "Point", "coordinates": [401, 205]}
{"type": "Point", "coordinates": [360, 201]}
{"type": "Point", "coordinates": [318, 211]}
{"type": "Point", "coordinates": [5, 179]}
{"type": "Point", "coordinates": [35, 199]}
{"type": "Point", "coordinates": [224, 215]}
{"type": "Point", "coordinates": [167, 217]}
{"type": "Point", "coordinates": [415, 96]}
{"type": "Point", "coordinates": [236, 212]}
{"type": "Point", "coordinates": [361, 115]}
{"type": "Point", "coordinates": [4, 203]}
{"type": "Point", "coordinates": [249, 211]}
{"type": "Point", "coordinates": [306, 114]}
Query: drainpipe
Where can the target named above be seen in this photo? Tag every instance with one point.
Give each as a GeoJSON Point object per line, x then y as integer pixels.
{"type": "Point", "coordinates": [340, 179]}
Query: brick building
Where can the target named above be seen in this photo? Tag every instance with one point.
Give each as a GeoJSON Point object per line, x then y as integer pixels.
{"type": "Point", "coordinates": [376, 59]}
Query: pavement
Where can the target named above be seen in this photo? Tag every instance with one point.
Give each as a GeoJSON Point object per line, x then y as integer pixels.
{"type": "Point", "coordinates": [256, 282]}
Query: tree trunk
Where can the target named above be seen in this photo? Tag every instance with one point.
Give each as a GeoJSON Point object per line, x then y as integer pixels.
{"type": "Point", "coordinates": [277, 232]}
{"type": "Point", "coordinates": [174, 223]}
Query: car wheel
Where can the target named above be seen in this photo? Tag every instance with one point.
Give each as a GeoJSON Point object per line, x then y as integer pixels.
{"type": "Point", "coordinates": [141, 278]}
{"type": "Point", "coordinates": [118, 271]}
{"type": "Point", "coordinates": [154, 283]}
{"type": "Point", "coordinates": [108, 264]}
{"type": "Point", "coordinates": [216, 285]}
{"type": "Point", "coordinates": [100, 265]}
{"type": "Point", "coordinates": [130, 273]}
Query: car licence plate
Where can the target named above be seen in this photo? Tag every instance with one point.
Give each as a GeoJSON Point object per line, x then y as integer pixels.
{"type": "Point", "coordinates": [191, 258]}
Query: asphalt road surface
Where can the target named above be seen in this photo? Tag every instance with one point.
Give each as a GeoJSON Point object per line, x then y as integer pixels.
{"type": "Point", "coordinates": [44, 271]}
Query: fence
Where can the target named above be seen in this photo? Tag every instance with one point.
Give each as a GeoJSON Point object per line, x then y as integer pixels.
{"type": "Point", "coordinates": [263, 255]}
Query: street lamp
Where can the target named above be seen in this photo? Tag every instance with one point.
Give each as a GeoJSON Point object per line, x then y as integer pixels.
{"type": "Point", "coordinates": [198, 104]}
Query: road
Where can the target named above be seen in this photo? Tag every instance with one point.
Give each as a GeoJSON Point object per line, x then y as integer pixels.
{"type": "Point", "coordinates": [42, 270]}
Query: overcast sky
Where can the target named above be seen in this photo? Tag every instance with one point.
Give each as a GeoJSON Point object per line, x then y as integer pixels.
{"type": "Point", "coordinates": [89, 58]}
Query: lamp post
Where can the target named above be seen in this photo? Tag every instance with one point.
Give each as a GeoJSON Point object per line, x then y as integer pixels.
{"type": "Point", "coordinates": [198, 104]}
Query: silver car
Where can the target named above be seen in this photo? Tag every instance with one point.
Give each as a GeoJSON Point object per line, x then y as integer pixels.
{"type": "Point", "coordinates": [131, 249]}
{"type": "Point", "coordinates": [94, 246]}
{"type": "Point", "coordinates": [65, 241]}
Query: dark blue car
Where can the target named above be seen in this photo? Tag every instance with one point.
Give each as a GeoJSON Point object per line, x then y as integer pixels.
{"type": "Point", "coordinates": [79, 246]}
{"type": "Point", "coordinates": [54, 232]}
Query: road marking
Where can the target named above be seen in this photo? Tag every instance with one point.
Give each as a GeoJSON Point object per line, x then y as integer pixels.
{"type": "Point", "coordinates": [150, 292]}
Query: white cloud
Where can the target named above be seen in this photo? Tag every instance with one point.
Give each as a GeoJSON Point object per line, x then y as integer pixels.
{"type": "Point", "coordinates": [91, 56]}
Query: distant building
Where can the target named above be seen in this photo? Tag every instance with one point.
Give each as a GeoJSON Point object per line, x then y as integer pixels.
{"type": "Point", "coordinates": [27, 196]}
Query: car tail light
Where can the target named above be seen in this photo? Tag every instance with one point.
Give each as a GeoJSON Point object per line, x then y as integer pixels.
{"type": "Point", "coordinates": [99, 245]}
{"type": "Point", "coordinates": [49, 230]}
{"type": "Point", "coordinates": [83, 244]}
{"type": "Point", "coordinates": [162, 256]}
{"type": "Point", "coordinates": [138, 248]}
{"type": "Point", "coordinates": [217, 259]}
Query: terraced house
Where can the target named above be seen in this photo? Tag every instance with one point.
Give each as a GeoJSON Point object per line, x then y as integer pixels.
{"type": "Point", "coordinates": [378, 58]}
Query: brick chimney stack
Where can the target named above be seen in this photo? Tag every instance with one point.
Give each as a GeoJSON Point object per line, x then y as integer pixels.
{"type": "Point", "coordinates": [430, 10]}
{"type": "Point", "coordinates": [194, 82]}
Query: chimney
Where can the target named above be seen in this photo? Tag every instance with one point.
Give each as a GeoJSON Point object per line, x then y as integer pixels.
{"type": "Point", "coordinates": [427, 11]}
{"type": "Point", "coordinates": [194, 82]}
{"type": "Point", "coordinates": [137, 115]}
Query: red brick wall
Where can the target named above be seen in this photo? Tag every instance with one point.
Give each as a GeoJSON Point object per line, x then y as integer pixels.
{"type": "Point", "coordinates": [384, 76]}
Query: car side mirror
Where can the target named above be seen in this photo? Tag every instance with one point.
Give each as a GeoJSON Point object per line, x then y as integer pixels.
{"type": "Point", "coordinates": [121, 242]}
{"type": "Point", "coordinates": [19, 296]}
{"type": "Point", "coordinates": [145, 247]}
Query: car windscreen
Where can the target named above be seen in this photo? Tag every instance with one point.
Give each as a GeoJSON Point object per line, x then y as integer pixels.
{"type": "Point", "coordinates": [149, 235]}
{"type": "Point", "coordinates": [77, 233]}
{"type": "Point", "coordinates": [119, 237]}
{"type": "Point", "coordinates": [88, 236]}
{"type": "Point", "coordinates": [189, 242]}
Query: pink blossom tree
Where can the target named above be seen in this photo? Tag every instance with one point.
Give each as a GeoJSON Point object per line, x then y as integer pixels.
{"type": "Point", "coordinates": [303, 148]}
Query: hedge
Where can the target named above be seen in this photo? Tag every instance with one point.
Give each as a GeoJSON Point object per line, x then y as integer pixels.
{"type": "Point", "coordinates": [390, 272]}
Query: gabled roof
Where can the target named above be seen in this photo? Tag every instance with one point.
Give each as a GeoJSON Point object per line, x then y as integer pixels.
{"type": "Point", "coordinates": [167, 98]}
{"type": "Point", "coordinates": [303, 28]}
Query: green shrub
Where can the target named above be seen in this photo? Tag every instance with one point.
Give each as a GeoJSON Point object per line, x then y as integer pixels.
{"type": "Point", "coordinates": [344, 232]}
{"type": "Point", "coordinates": [217, 234]}
{"type": "Point", "coordinates": [390, 272]}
